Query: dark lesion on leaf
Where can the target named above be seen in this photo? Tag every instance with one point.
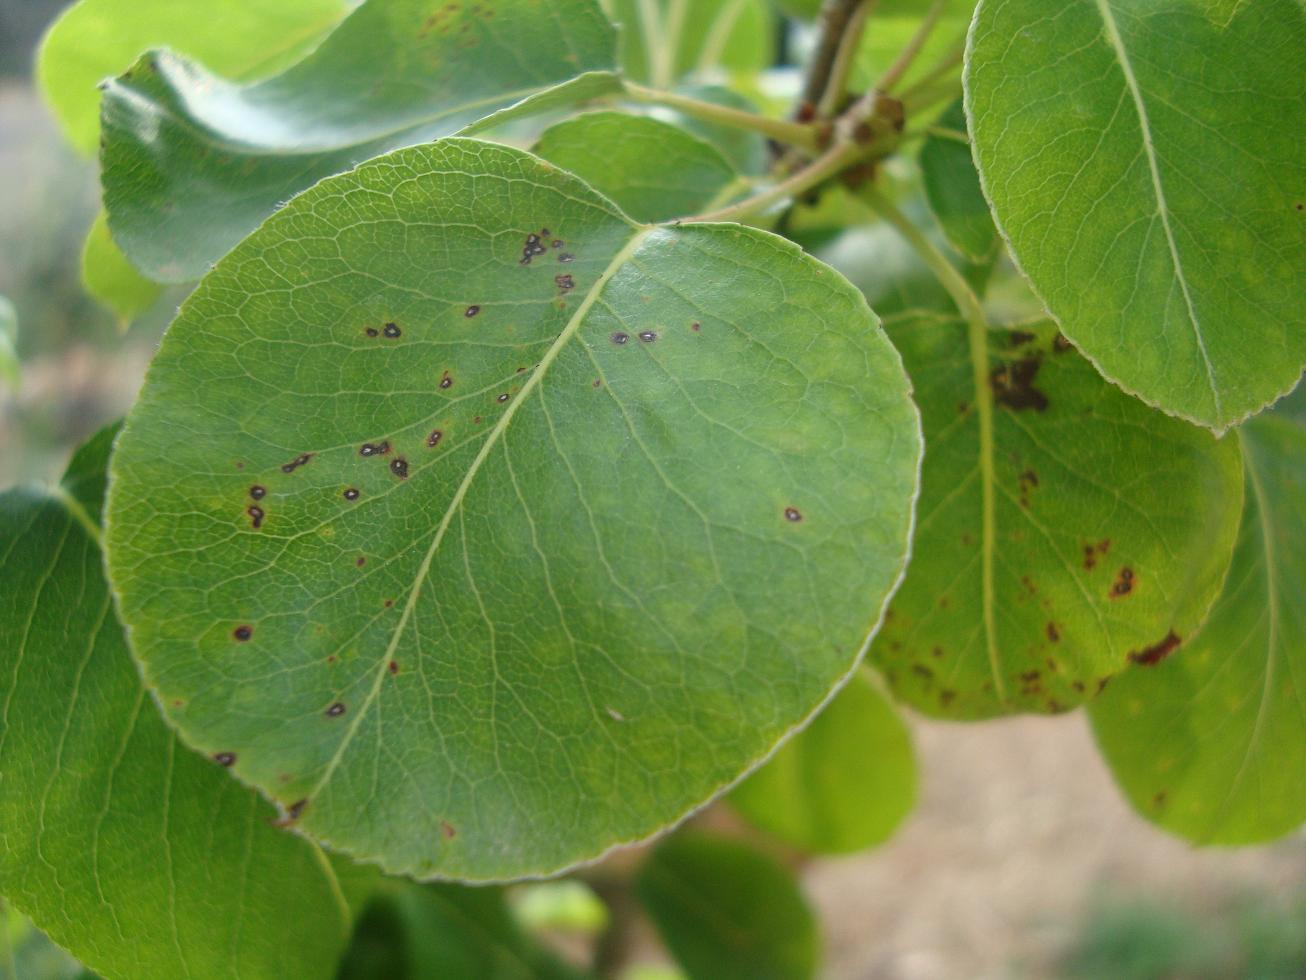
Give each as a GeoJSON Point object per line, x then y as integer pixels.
{"type": "Point", "coordinates": [1150, 656]}
{"type": "Point", "coordinates": [291, 814]}
{"type": "Point", "coordinates": [301, 460]}
{"type": "Point", "coordinates": [256, 516]}
{"type": "Point", "coordinates": [391, 330]}
{"type": "Point", "coordinates": [226, 759]}
{"type": "Point", "coordinates": [257, 492]}
{"type": "Point", "coordinates": [1124, 583]}
{"type": "Point", "coordinates": [1013, 385]}
{"type": "Point", "coordinates": [399, 467]}
{"type": "Point", "coordinates": [242, 634]}
{"type": "Point", "coordinates": [336, 710]}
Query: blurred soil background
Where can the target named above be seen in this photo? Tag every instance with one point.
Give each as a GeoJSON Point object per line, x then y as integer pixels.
{"type": "Point", "coordinates": [1022, 859]}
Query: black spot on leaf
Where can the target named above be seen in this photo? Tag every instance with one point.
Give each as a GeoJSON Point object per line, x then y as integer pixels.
{"type": "Point", "coordinates": [471, 311]}
{"type": "Point", "coordinates": [1157, 652]}
{"type": "Point", "coordinates": [1123, 585]}
{"type": "Point", "coordinates": [257, 492]}
{"type": "Point", "coordinates": [227, 759]}
{"type": "Point", "coordinates": [392, 330]}
{"type": "Point", "coordinates": [351, 494]}
{"type": "Point", "coordinates": [503, 398]}
{"type": "Point", "coordinates": [399, 467]}
{"type": "Point", "coordinates": [620, 338]}
{"type": "Point", "coordinates": [648, 336]}
{"type": "Point", "coordinates": [1013, 385]}
{"type": "Point", "coordinates": [372, 332]}
{"type": "Point", "coordinates": [446, 381]}
{"type": "Point", "coordinates": [565, 283]}
{"type": "Point", "coordinates": [256, 516]}
{"type": "Point", "coordinates": [243, 633]}
{"type": "Point", "coordinates": [792, 515]}
{"type": "Point", "coordinates": [336, 710]}
{"type": "Point", "coordinates": [434, 438]}
{"type": "Point", "coordinates": [296, 463]}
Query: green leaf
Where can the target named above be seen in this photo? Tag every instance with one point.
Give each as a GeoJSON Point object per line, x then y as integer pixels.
{"type": "Point", "coordinates": [449, 932]}
{"type": "Point", "coordinates": [140, 857]}
{"type": "Point", "coordinates": [1146, 167]}
{"type": "Point", "coordinates": [1112, 528]}
{"type": "Point", "coordinates": [892, 26]}
{"type": "Point", "coordinates": [624, 535]}
{"type": "Point", "coordinates": [727, 911]}
{"type": "Point", "coordinates": [193, 163]}
{"type": "Point", "coordinates": [10, 370]}
{"type": "Point", "coordinates": [111, 279]}
{"type": "Point", "coordinates": [97, 39]}
{"type": "Point", "coordinates": [652, 170]}
{"type": "Point", "coordinates": [843, 784]}
{"type": "Point", "coordinates": [1210, 743]}
{"type": "Point", "coordinates": [664, 40]}
{"type": "Point", "coordinates": [952, 187]}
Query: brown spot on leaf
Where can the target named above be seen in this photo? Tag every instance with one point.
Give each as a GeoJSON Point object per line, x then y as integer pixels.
{"type": "Point", "coordinates": [471, 311]}
{"type": "Point", "coordinates": [1123, 585]}
{"type": "Point", "coordinates": [565, 283]}
{"type": "Point", "coordinates": [1060, 344]}
{"type": "Point", "coordinates": [446, 381]}
{"type": "Point", "coordinates": [447, 829]}
{"type": "Point", "coordinates": [336, 710]}
{"type": "Point", "coordinates": [257, 492]}
{"type": "Point", "coordinates": [227, 759]}
{"type": "Point", "coordinates": [360, 561]}
{"type": "Point", "coordinates": [503, 398]}
{"type": "Point", "coordinates": [1053, 633]}
{"type": "Point", "coordinates": [434, 438]}
{"type": "Point", "coordinates": [391, 330]}
{"type": "Point", "coordinates": [620, 338]}
{"type": "Point", "coordinates": [399, 467]}
{"type": "Point", "coordinates": [372, 332]}
{"type": "Point", "coordinates": [393, 667]}
{"type": "Point", "coordinates": [1030, 676]}
{"type": "Point", "coordinates": [293, 813]}
{"type": "Point", "coordinates": [1013, 385]}
{"type": "Point", "coordinates": [1018, 338]}
{"type": "Point", "coordinates": [648, 336]}
{"type": "Point", "coordinates": [696, 326]}
{"type": "Point", "coordinates": [351, 494]}
{"type": "Point", "coordinates": [296, 463]}
{"type": "Point", "coordinates": [243, 633]}
{"type": "Point", "coordinates": [792, 515]}
{"type": "Point", "coordinates": [921, 670]}
{"type": "Point", "coordinates": [1157, 652]}
{"type": "Point", "coordinates": [256, 516]}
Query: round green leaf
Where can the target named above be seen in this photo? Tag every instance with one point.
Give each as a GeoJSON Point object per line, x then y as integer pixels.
{"type": "Point", "coordinates": [727, 911]}
{"type": "Point", "coordinates": [561, 522]}
{"type": "Point", "coordinates": [96, 39]}
{"type": "Point", "coordinates": [1112, 528]}
{"type": "Point", "coordinates": [192, 163]}
{"type": "Point", "coordinates": [652, 170]}
{"type": "Point", "coordinates": [843, 784]}
{"type": "Point", "coordinates": [1210, 743]}
{"type": "Point", "coordinates": [1146, 165]}
{"type": "Point", "coordinates": [143, 859]}
{"type": "Point", "coordinates": [953, 190]}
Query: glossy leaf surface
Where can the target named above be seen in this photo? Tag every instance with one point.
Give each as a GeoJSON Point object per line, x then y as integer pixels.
{"type": "Point", "coordinates": [96, 39]}
{"type": "Point", "coordinates": [1145, 163]}
{"type": "Point", "coordinates": [727, 911]}
{"type": "Point", "coordinates": [652, 170]}
{"type": "Point", "coordinates": [192, 162]}
{"type": "Point", "coordinates": [843, 783]}
{"type": "Point", "coordinates": [493, 539]}
{"type": "Point", "coordinates": [1112, 528]}
{"type": "Point", "coordinates": [142, 858]}
{"type": "Point", "coordinates": [1210, 742]}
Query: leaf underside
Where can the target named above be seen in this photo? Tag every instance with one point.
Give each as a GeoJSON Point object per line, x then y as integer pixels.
{"type": "Point", "coordinates": [547, 552]}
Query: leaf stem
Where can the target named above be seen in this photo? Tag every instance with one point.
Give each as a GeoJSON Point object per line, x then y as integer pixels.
{"type": "Point", "coordinates": [844, 58]}
{"type": "Point", "coordinates": [939, 70]}
{"type": "Point", "coordinates": [977, 336]}
{"type": "Point", "coordinates": [782, 130]}
{"type": "Point", "coordinates": [829, 163]}
{"type": "Point", "coordinates": [835, 16]}
{"type": "Point", "coordinates": [907, 56]}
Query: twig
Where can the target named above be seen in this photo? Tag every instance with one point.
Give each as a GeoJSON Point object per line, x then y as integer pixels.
{"type": "Point", "coordinates": [835, 16]}
{"type": "Point", "coordinates": [907, 56]}
{"type": "Point", "coordinates": [845, 57]}
{"type": "Point", "coordinates": [783, 130]}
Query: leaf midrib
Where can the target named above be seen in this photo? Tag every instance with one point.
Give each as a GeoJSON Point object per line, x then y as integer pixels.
{"type": "Point", "coordinates": [571, 328]}
{"type": "Point", "coordinates": [1117, 44]}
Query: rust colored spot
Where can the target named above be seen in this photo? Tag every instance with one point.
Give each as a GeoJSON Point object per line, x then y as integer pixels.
{"type": "Point", "coordinates": [476, 420]}
{"type": "Point", "coordinates": [446, 381]}
{"type": "Point", "coordinates": [922, 670]}
{"type": "Point", "coordinates": [1013, 385]}
{"type": "Point", "coordinates": [1123, 585]}
{"type": "Point", "coordinates": [360, 561]}
{"type": "Point", "coordinates": [1030, 676]}
{"type": "Point", "coordinates": [392, 330]}
{"type": "Point", "coordinates": [1159, 799]}
{"type": "Point", "coordinates": [256, 516]}
{"type": "Point", "coordinates": [696, 326]}
{"type": "Point", "coordinates": [1029, 585]}
{"type": "Point", "coordinates": [351, 494]}
{"type": "Point", "coordinates": [565, 282]}
{"type": "Point", "coordinates": [225, 758]}
{"type": "Point", "coordinates": [792, 515]}
{"type": "Point", "coordinates": [394, 667]}
{"type": "Point", "coordinates": [296, 463]}
{"type": "Point", "coordinates": [434, 438]}
{"type": "Point", "coordinates": [648, 336]}
{"type": "Point", "coordinates": [1154, 654]}
{"type": "Point", "coordinates": [937, 652]}
{"type": "Point", "coordinates": [503, 398]}
{"type": "Point", "coordinates": [388, 603]}
{"type": "Point", "coordinates": [243, 633]}
{"type": "Point", "coordinates": [1029, 478]}
{"type": "Point", "coordinates": [257, 492]}
{"type": "Point", "coordinates": [372, 332]}
{"type": "Point", "coordinates": [946, 697]}
{"type": "Point", "coordinates": [1060, 344]}
{"type": "Point", "coordinates": [399, 467]}
{"type": "Point", "coordinates": [620, 338]}
{"type": "Point", "coordinates": [1053, 633]}
{"type": "Point", "coordinates": [336, 710]}
{"type": "Point", "coordinates": [1078, 686]}
{"type": "Point", "coordinates": [447, 830]}
{"type": "Point", "coordinates": [1102, 682]}
{"type": "Point", "coordinates": [598, 383]}
{"type": "Point", "coordinates": [293, 813]}
{"type": "Point", "coordinates": [806, 113]}
{"type": "Point", "coordinates": [471, 311]}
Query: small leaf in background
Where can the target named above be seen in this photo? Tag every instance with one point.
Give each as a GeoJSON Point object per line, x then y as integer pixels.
{"type": "Point", "coordinates": [538, 525]}
{"type": "Point", "coordinates": [844, 783]}
{"type": "Point", "coordinates": [142, 858]}
{"type": "Point", "coordinates": [664, 40]}
{"type": "Point", "coordinates": [111, 279]}
{"type": "Point", "coordinates": [192, 162]}
{"type": "Point", "coordinates": [445, 932]}
{"type": "Point", "coordinates": [727, 911]}
{"type": "Point", "coordinates": [952, 187]}
{"type": "Point", "coordinates": [1146, 165]}
{"type": "Point", "coordinates": [10, 370]}
{"type": "Point", "coordinates": [96, 39]}
{"type": "Point", "coordinates": [564, 906]}
{"type": "Point", "coordinates": [652, 170]}
{"type": "Point", "coordinates": [1112, 528]}
{"type": "Point", "coordinates": [893, 23]}
{"type": "Point", "coordinates": [1210, 742]}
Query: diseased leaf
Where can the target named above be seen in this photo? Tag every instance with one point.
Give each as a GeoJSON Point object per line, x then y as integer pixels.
{"type": "Point", "coordinates": [842, 784]}
{"type": "Point", "coordinates": [1145, 164]}
{"type": "Point", "coordinates": [140, 857]}
{"type": "Point", "coordinates": [953, 190]}
{"type": "Point", "coordinates": [652, 170]}
{"type": "Point", "coordinates": [192, 163]}
{"type": "Point", "coordinates": [1110, 532]}
{"type": "Point", "coordinates": [537, 525]}
{"type": "Point", "coordinates": [96, 39]}
{"type": "Point", "coordinates": [727, 911]}
{"type": "Point", "coordinates": [1209, 740]}
{"type": "Point", "coordinates": [111, 279]}
{"type": "Point", "coordinates": [664, 40]}
{"type": "Point", "coordinates": [449, 932]}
